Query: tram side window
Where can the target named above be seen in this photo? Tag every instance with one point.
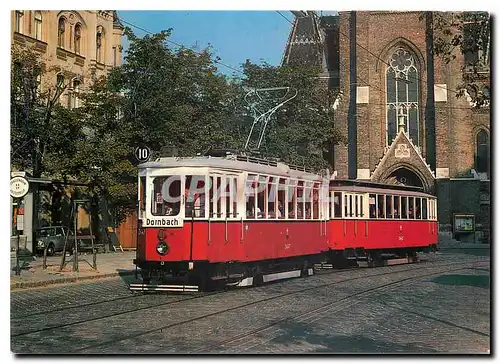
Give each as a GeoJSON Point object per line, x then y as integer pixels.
{"type": "Point", "coordinates": [271, 198]}
{"type": "Point", "coordinates": [251, 185]}
{"type": "Point", "coordinates": [211, 197]}
{"type": "Point", "coordinates": [307, 198]}
{"type": "Point", "coordinates": [261, 197]}
{"type": "Point", "coordinates": [404, 207]}
{"type": "Point", "coordinates": [194, 194]}
{"type": "Point", "coordinates": [218, 196]}
{"type": "Point", "coordinates": [411, 208]}
{"type": "Point", "coordinates": [350, 206]}
{"type": "Point", "coordinates": [315, 201]}
{"type": "Point", "coordinates": [418, 207]}
{"type": "Point", "coordinates": [166, 196]}
{"type": "Point", "coordinates": [424, 208]}
{"type": "Point", "coordinates": [345, 205]}
{"type": "Point", "coordinates": [300, 200]}
{"type": "Point", "coordinates": [388, 205]}
{"type": "Point", "coordinates": [381, 207]}
{"type": "Point", "coordinates": [292, 199]}
{"type": "Point", "coordinates": [142, 194]}
{"type": "Point", "coordinates": [373, 206]}
{"type": "Point", "coordinates": [281, 198]}
{"type": "Point", "coordinates": [397, 209]}
{"type": "Point", "coordinates": [337, 204]}
{"type": "Point", "coordinates": [356, 205]}
{"type": "Point", "coordinates": [234, 196]}
{"type": "Point", "coordinates": [361, 209]}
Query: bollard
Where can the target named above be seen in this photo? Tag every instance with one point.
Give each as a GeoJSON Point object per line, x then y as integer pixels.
{"type": "Point", "coordinates": [95, 258]}
{"type": "Point", "coordinates": [44, 266]}
{"type": "Point", "coordinates": [18, 268]}
{"type": "Point", "coordinates": [75, 257]}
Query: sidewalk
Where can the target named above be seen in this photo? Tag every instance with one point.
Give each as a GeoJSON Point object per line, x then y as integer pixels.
{"type": "Point", "coordinates": [33, 274]}
{"type": "Point", "coordinates": [445, 242]}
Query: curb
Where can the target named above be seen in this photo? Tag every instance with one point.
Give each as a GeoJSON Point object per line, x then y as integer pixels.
{"type": "Point", "coordinates": [20, 285]}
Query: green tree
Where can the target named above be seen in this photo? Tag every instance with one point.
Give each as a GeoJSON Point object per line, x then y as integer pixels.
{"type": "Point", "coordinates": [40, 127]}
{"type": "Point", "coordinates": [467, 33]}
{"type": "Point", "coordinates": [173, 97]}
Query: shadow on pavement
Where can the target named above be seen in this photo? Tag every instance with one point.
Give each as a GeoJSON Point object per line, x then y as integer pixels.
{"type": "Point", "coordinates": [301, 333]}
{"type": "Point", "coordinates": [482, 281]}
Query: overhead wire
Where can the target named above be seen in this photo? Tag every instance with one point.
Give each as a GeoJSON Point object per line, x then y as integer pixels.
{"type": "Point", "coordinates": [181, 45]}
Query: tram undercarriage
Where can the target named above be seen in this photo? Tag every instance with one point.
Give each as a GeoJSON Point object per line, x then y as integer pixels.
{"type": "Point", "coordinates": [205, 276]}
{"type": "Point", "coordinates": [375, 257]}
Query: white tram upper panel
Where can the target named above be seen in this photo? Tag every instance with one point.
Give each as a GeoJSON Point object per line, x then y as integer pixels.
{"type": "Point", "coordinates": [231, 163]}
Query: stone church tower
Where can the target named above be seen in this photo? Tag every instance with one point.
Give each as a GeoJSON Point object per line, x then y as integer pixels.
{"type": "Point", "coordinates": [399, 108]}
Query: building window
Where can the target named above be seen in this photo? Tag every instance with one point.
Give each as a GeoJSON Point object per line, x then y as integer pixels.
{"type": "Point", "coordinates": [61, 31]}
{"type": "Point", "coordinates": [38, 25]}
{"type": "Point", "coordinates": [78, 37]}
{"type": "Point", "coordinates": [39, 85]}
{"type": "Point", "coordinates": [114, 56]}
{"type": "Point", "coordinates": [19, 21]}
{"type": "Point", "coordinates": [402, 95]}
{"type": "Point", "coordinates": [74, 100]}
{"type": "Point", "coordinates": [60, 85]}
{"type": "Point", "coordinates": [60, 80]}
{"type": "Point", "coordinates": [99, 41]}
{"type": "Point", "coordinates": [482, 152]}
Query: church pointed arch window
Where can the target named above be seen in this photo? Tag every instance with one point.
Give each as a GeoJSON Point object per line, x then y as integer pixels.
{"type": "Point", "coordinates": [402, 95]}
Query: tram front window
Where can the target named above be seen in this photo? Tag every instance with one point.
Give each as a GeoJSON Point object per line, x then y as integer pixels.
{"type": "Point", "coordinates": [166, 197]}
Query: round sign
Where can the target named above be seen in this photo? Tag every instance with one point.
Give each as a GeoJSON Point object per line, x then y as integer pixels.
{"type": "Point", "coordinates": [19, 187]}
{"type": "Point", "coordinates": [142, 153]}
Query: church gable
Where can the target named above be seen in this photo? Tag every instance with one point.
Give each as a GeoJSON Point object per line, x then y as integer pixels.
{"type": "Point", "coordinates": [402, 154]}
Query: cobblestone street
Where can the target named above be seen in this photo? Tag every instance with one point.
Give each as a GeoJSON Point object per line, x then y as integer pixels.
{"type": "Point", "coordinates": [441, 305]}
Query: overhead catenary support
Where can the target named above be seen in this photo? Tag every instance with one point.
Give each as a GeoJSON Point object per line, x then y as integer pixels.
{"type": "Point", "coordinates": [258, 114]}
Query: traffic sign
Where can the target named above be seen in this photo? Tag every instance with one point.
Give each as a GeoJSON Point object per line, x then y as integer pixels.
{"type": "Point", "coordinates": [19, 187]}
{"type": "Point", "coordinates": [142, 153]}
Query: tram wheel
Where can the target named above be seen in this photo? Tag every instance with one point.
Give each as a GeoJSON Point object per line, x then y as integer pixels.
{"type": "Point", "coordinates": [304, 271]}
{"type": "Point", "coordinates": [258, 279]}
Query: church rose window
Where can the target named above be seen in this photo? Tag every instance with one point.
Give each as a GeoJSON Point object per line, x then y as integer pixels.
{"type": "Point", "coordinates": [402, 94]}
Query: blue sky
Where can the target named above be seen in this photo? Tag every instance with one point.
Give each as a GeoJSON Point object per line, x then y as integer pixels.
{"type": "Point", "coordinates": [234, 35]}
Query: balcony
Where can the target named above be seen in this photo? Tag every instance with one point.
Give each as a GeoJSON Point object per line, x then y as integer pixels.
{"type": "Point", "coordinates": [64, 54]}
{"type": "Point", "coordinates": [27, 41]}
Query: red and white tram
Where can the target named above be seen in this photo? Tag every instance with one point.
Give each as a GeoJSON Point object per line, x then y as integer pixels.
{"type": "Point", "coordinates": [233, 219]}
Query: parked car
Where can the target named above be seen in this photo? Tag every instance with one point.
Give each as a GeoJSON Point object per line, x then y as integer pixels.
{"type": "Point", "coordinates": [54, 237]}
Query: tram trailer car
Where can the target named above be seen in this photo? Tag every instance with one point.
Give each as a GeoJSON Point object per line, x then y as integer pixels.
{"type": "Point", "coordinates": [224, 225]}
{"type": "Point", "coordinates": [376, 222]}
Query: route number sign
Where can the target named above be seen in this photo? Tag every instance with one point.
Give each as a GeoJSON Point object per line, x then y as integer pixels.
{"type": "Point", "coordinates": [142, 153]}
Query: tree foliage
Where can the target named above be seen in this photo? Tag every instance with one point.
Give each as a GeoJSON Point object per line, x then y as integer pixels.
{"type": "Point", "coordinates": [41, 129]}
{"type": "Point", "coordinates": [467, 33]}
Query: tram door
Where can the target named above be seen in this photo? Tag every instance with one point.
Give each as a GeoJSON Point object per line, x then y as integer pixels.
{"type": "Point", "coordinates": [194, 198]}
{"type": "Point", "coordinates": [224, 219]}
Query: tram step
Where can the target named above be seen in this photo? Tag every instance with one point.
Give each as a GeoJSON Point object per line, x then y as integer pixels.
{"type": "Point", "coordinates": [231, 276]}
{"type": "Point", "coordinates": [163, 287]}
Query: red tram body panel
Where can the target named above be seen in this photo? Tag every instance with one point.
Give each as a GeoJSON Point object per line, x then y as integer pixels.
{"type": "Point", "coordinates": [246, 242]}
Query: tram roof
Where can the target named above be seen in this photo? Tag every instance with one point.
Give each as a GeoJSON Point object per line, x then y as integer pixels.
{"type": "Point", "coordinates": [375, 187]}
{"type": "Point", "coordinates": [234, 163]}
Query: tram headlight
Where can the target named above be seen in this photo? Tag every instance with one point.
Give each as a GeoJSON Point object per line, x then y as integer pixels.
{"type": "Point", "coordinates": [162, 248]}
